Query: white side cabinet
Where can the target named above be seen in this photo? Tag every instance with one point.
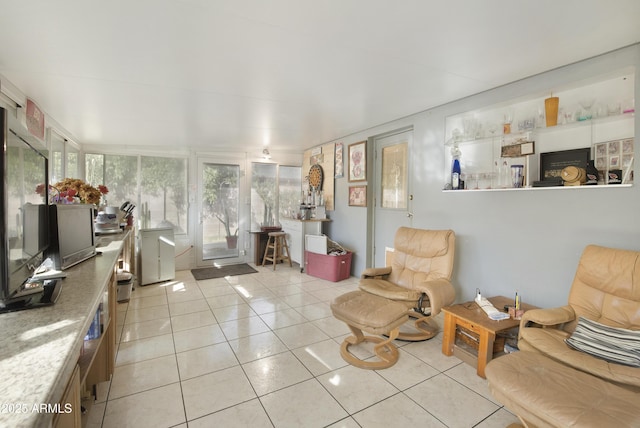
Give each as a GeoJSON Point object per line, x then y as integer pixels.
{"type": "Point", "coordinates": [296, 231]}
{"type": "Point", "coordinates": [156, 255]}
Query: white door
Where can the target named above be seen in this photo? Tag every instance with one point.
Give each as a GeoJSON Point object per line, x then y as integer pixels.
{"type": "Point", "coordinates": [220, 238]}
{"type": "Point", "coordinates": [392, 187]}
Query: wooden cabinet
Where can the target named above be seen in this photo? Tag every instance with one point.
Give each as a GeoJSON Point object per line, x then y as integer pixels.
{"type": "Point", "coordinates": [45, 350]}
{"type": "Point", "coordinates": [96, 364]}
{"type": "Point", "coordinates": [97, 356]}
{"type": "Point", "coordinates": [70, 413]}
{"type": "Point", "coordinates": [97, 361]}
{"type": "Point", "coordinates": [260, 239]}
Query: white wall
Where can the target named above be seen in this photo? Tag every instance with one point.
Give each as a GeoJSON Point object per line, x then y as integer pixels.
{"type": "Point", "coordinates": [528, 241]}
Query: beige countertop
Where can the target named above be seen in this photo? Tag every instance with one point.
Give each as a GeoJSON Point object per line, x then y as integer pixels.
{"type": "Point", "coordinates": [40, 347]}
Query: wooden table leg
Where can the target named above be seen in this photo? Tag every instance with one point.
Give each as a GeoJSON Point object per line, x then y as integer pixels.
{"type": "Point", "coordinates": [485, 350]}
{"type": "Point", "coordinates": [448, 334]}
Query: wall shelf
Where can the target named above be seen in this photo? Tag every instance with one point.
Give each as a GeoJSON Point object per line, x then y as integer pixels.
{"type": "Point", "coordinates": [479, 138]}
{"type": "Point", "coordinates": [526, 189]}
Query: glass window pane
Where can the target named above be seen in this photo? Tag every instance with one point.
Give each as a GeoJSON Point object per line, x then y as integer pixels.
{"type": "Point", "coordinates": [394, 176]}
{"type": "Point", "coordinates": [72, 166]}
{"type": "Point", "coordinates": [263, 195]}
{"type": "Point", "coordinates": [94, 169]}
{"type": "Point", "coordinates": [289, 186]}
{"type": "Point", "coordinates": [164, 192]}
{"type": "Point", "coordinates": [121, 178]}
{"type": "Point", "coordinates": [220, 216]}
{"type": "Point", "coordinates": [56, 155]}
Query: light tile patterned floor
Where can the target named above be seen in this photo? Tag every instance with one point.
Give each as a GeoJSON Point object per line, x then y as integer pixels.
{"type": "Point", "coordinates": [262, 350]}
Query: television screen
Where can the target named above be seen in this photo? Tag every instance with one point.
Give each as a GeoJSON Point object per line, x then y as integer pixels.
{"type": "Point", "coordinates": [35, 236]}
{"type": "Point", "coordinates": [72, 234]}
{"type": "Point", "coordinates": [24, 214]}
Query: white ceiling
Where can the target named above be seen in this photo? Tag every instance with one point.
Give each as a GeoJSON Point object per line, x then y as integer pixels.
{"type": "Point", "coordinates": [294, 73]}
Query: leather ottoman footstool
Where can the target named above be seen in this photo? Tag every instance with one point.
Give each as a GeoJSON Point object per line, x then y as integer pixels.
{"type": "Point", "coordinates": [373, 314]}
{"type": "Point", "coordinates": [545, 393]}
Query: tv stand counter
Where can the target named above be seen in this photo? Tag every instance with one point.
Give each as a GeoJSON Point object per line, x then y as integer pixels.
{"type": "Point", "coordinates": [39, 348]}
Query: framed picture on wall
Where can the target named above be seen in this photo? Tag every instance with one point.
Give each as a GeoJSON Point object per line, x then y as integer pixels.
{"type": "Point", "coordinates": [394, 176]}
{"type": "Point", "coordinates": [339, 162]}
{"type": "Point", "coordinates": [552, 163]}
{"type": "Point", "coordinates": [357, 196]}
{"type": "Point", "coordinates": [358, 161]}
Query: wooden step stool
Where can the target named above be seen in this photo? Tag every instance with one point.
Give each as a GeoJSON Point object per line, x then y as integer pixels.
{"type": "Point", "coordinates": [277, 243]}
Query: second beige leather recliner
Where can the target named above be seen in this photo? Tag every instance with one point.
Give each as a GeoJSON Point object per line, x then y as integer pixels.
{"type": "Point", "coordinates": [419, 276]}
{"type": "Point", "coordinates": [606, 289]}
{"type": "Point", "coordinates": [550, 384]}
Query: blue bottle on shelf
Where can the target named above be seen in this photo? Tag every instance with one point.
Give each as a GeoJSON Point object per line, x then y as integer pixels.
{"type": "Point", "coordinates": [456, 184]}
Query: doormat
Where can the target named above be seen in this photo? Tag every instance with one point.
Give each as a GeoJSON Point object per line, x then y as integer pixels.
{"type": "Point", "coordinates": [222, 271]}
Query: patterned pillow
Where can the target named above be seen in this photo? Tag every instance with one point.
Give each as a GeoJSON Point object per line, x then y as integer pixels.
{"type": "Point", "coordinates": [616, 345]}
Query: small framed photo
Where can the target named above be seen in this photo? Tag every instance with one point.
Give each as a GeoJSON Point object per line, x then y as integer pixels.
{"type": "Point", "coordinates": [627, 146]}
{"type": "Point", "coordinates": [527, 148]}
{"type": "Point", "coordinates": [518, 149]}
{"type": "Point", "coordinates": [614, 147]}
{"type": "Point", "coordinates": [614, 161]}
{"type": "Point", "coordinates": [357, 196]}
{"type": "Point", "coordinates": [358, 161]}
{"type": "Point", "coordinates": [601, 149]}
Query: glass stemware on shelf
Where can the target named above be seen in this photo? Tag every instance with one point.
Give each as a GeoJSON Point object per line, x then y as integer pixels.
{"type": "Point", "coordinates": [470, 126]}
{"type": "Point", "coordinates": [492, 127]}
{"type": "Point", "coordinates": [586, 113]}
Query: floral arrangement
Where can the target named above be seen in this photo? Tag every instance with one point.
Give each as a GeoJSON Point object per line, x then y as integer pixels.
{"type": "Point", "coordinates": [72, 191]}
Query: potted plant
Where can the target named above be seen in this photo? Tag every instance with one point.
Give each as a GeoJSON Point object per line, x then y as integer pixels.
{"type": "Point", "coordinates": [232, 239]}
{"type": "Point", "coordinates": [220, 196]}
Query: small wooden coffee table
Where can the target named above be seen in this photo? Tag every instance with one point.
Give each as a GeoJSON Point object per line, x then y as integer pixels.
{"type": "Point", "coordinates": [470, 316]}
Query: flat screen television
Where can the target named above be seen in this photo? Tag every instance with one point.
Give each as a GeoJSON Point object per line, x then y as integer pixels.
{"type": "Point", "coordinates": [71, 233]}
{"type": "Point", "coordinates": [24, 225]}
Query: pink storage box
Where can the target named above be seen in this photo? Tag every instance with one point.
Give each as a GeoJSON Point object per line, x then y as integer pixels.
{"type": "Point", "coordinates": [331, 268]}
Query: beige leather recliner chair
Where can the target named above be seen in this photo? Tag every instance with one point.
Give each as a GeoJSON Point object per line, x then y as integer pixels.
{"type": "Point", "coordinates": [605, 289]}
{"type": "Point", "coordinates": [419, 276]}
{"type": "Point", "coordinates": [549, 384]}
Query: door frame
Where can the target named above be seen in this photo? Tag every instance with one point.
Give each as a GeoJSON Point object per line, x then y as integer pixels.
{"type": "Point", "coordinates": [243, 209]}
{"type": "Point", "coordinates": [407, 215]}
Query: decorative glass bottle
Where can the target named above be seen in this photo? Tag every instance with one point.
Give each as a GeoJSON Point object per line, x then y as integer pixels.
{"type": "Point", "coordinates": [455, 168]}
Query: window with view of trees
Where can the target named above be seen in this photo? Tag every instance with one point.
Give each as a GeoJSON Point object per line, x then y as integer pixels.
{"type": "Point", "coordinates": [94, 169]}
{"type": "Point", "coordinates": [289, 188]}
{"type": "Point", "coordinates": [275, 193]}
{"type": "Point", "coordinates": [220, 210]}
{"type": "Point", "coordinates": [63, 158]}
{"type": "Point", "coordinates": [263, 194]}
{"type": "Point", "coordinates": [163, 186]}
{"type": "Point", "coordinates": [72, 162]}
{"type": "Point", "coordinates": [56, 157]}
{"type": "Point", "coordinates": [164, 191]}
